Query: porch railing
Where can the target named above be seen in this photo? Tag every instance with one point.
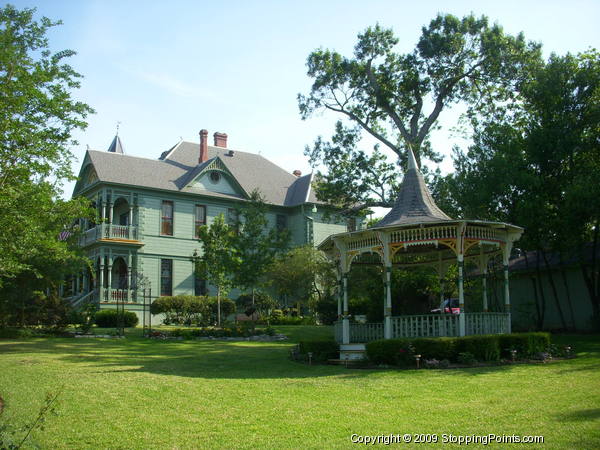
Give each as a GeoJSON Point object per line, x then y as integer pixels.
{"type": "Point", "coordinates": [109, 231]}
{"type": "Point", "coordinates": [428, 325]}
{"type": "Point", "coordinates": [109, 295]}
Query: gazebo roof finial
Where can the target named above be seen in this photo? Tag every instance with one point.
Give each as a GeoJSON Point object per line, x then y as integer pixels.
{"type": "Point", "coordinates": [412, 162]}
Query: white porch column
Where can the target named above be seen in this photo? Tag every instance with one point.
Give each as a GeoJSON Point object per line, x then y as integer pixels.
{"type": "Point", "coordinates": [109, 277]}
{"type": "Point", "coordinates": [340, 293]}
{"type": "Point", "coordinates": [78, 283]}
{"type": "Point", "coordinates": [345, 321]}
{"type": "Point", "coordinates": [101, 277]}
{"type": "Point", "coordinates": [129, 272]}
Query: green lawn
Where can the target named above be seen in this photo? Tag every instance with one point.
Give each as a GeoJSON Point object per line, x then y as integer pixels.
{"type": "Point", "coordinates": [137, 393]}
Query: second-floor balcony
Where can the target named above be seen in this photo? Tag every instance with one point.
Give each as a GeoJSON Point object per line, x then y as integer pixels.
{"type": "Point", "coordinates": [110, 232]}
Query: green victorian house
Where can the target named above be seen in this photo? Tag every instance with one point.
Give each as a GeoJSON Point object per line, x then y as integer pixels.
{"type": "Point", "coordinates": [149, 212]}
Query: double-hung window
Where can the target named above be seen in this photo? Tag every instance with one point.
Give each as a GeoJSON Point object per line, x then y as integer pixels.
{"type": "Point", "coordinates": [166, 223]}
{"type": "Point", "coordinates": [200, 219]}
{"type": "Point", "coordinates": [166, 277]}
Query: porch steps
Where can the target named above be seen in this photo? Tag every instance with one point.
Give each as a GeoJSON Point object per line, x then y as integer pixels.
{"type": "Point", "coordinates": [353, 352]}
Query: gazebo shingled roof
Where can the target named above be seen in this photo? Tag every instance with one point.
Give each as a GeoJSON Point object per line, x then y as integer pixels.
{"type": "Point", "coordinates": [415, 203]}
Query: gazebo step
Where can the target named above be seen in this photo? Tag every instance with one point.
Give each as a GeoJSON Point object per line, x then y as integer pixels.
{"type": "Point", "coordinates": [353, 352]}
{"type": "Point", "coordinates": [349, 347]}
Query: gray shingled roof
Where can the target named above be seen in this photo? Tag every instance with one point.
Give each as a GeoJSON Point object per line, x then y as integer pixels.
{"type": "Point", "coordinates": [415, 203]}
{"type": "Point", "coordinates": [179, 166]}
{"type": "Point", "coordinates": [116, 146]}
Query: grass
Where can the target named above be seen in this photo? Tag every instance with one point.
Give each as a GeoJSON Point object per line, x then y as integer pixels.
{"type": "Point", "coordinates": [137, 393]}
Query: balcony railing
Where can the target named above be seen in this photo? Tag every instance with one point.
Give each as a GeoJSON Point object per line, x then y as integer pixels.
{"type": "Point", "coordinates": [109, 231]}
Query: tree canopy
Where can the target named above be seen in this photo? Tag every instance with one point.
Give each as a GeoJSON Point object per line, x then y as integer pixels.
{"type": "Point", "coordinates": [538, 166]}
{"type": "Point", "coordinates": [37, 116]}
{"type": "Point", "coordinates": [397, 98]}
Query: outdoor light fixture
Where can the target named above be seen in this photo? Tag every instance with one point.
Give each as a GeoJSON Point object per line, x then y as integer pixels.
{"type": "Point", "coordinates": [310, 355]}
{"type": "Point", "coordinates": [513, 354]}
{"type": "Point", "coordinates": [314, 209]}
{"type": "Point", "coordinates": [418, 358]}
{"type": "Point", "coordinates": [567, 351]}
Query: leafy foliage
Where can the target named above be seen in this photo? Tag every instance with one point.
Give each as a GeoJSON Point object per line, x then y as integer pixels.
{"type": "Point", "coordinates": [301, 274]}
{"type": "Point", "coordinates": [254, 243]}
{"type": "Point", "coordinates": [217, 262]}
{"type": "Point", "coordinates": [386, 94]}
{"type": "Point", "coordinates": [111, 318]}
{"type": "Point", "coordinates": [536, 165]}
{"type": "Point", "coordinates": [37, 117]}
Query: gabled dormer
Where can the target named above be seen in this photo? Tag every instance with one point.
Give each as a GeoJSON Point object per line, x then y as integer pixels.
{"type": "Point", "coordinates": [214, 176]}
{"type": "Point", "coordinates": [87, 175]}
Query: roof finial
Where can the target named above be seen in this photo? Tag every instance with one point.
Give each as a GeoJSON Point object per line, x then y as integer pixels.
{"type": "Point", "coordinates": [118, 124]}
{"type": "Point", "coordinates": [412, 162]}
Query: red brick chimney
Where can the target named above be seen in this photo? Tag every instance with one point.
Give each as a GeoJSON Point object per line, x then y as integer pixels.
{"type": "Point", "coordinates": [220, 139]}
{"type": "Point", "coordinates": [297, 173]}
{"type": "Point", "coordinates": [203, 146]}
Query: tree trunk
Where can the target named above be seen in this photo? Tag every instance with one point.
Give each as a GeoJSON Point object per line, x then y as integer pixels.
{"type": "Point", "coordinates": [218, 306]}
{"type": "Point", "coordinates": [591, 277]}
{"type": "Point", "coordinates": [563, 274]}
{"type": "Point", "coordinates": [540, 286]}
{"type": "Point", "coordinates": [539, 310]}
{"type": "Point", "coordinates": [554, 291]}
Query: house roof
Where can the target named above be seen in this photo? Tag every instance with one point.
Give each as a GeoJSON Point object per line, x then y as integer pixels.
{"type": "Point", "coordinates": [414, 203]}
{"type": "Point", "coordinates": [178, 166]}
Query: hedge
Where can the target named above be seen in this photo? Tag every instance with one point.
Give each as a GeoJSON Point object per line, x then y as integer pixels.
{"type": "Point", "coordinates": [483, 348]}
{"type": "Point", "coordinates": [109, 318]}
{"type": "Point", "coordinates": [321, 350]}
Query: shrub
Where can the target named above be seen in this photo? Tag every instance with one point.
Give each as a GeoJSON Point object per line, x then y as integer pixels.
{"type": "Point", "coordinates": [109, 318]}
{"type": "Point", "coordinates": [292, 320]}
{"type": "Point", "coordinates": [321, 350]}
{"type": "Point", "coordinates": [526, 344]}
{"type": "Point", "coordinates": [483, 348]}
{"type": "Point", "coordinates": [466, 358]}
{"type": "Point", "coordinates": [390, 351]}
{"type": "Point", "coordinates": [435, 348]}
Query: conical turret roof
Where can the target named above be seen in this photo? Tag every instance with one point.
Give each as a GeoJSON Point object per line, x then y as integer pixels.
{"type": "Point", "coordinates": [415, 203]}
{"type": "Point", "coordinates": [116, 146]}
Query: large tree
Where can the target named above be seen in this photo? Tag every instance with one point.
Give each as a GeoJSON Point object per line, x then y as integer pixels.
{"type": "Point", "coordinates": [538, 165]}
{"type": "Point", "coordinates": [255, 243]}
{"type": "Point", "coordinates": [37, 117]}
{"type": "Point", "coordinates": [397, 98]}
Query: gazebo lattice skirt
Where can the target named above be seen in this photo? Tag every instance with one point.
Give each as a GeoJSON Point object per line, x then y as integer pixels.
{"type": "Point", "coordinates": [427, 325]}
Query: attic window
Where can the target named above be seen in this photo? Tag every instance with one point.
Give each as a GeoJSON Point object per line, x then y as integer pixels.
{"type": "Point", "coordinates": [215, 177]}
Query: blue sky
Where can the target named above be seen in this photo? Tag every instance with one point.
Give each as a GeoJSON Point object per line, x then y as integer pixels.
{"type": "Point", "coordinates": [165, 70]}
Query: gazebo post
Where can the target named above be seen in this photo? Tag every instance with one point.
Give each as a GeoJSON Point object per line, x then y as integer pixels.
{"type": "Point", "coordinates": [484, 270]}
{"type": "Point", "coordinates": [461, 289]}
{"type": "Point", "coordinates": [505, 258]}
{"type": "Point", "coordinates": [345, 320]}
{"type": "Point", "coordinates": [387, 268]}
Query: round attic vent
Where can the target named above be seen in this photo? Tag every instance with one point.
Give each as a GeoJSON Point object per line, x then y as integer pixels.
{"type": "Point", "coordinates": [215, 177]}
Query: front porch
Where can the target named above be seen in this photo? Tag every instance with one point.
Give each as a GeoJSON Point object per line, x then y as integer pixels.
{"type": "Point", "coordinates": [421, 326]}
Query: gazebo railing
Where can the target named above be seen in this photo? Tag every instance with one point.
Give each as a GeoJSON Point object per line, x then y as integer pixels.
{"type": "Point", "coordinates": [486, 323]}
{"type": "Point", "coordinates": [428, 325]}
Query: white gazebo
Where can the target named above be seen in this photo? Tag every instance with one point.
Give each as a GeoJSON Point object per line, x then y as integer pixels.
{"type": "Point", "coordinates": [418, 233]}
